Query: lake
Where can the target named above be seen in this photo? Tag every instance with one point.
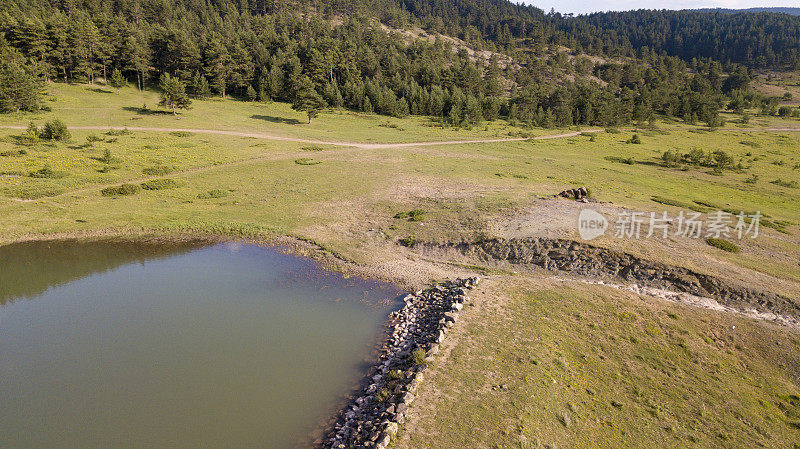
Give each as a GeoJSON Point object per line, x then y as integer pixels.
{"type": "Point", "coordinates": [111, 344]}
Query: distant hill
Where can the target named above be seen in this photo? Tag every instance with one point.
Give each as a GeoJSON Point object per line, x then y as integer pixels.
{"type": "Point", "coordinates": [784, 10]}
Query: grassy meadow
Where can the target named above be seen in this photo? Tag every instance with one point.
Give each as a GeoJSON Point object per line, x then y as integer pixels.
{"type": "Point", "coordinates": [576, 365]}
{"type": "Point", "coordinates": [343, 196]}
{"type": "Point", "coordinates": [549, 365]}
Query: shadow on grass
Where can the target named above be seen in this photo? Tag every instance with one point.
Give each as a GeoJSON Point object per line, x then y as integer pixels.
{"type": "Point", "coordinates": [269, 118]}
{"type": "Point", "coordinates": [148, 111]}
{"type": "Point", "coordinates": [100, 90]}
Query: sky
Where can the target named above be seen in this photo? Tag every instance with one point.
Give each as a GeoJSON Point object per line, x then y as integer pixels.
{"type": "Point", "coordinates": [584, 6]}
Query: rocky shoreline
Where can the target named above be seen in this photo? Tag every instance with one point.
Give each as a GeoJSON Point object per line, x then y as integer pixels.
{"type": "Point", "coordinates": [371, 419]}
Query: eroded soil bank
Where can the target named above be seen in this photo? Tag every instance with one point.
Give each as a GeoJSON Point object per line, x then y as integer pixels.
{"type": "Point", "coordinates": [582, 259]}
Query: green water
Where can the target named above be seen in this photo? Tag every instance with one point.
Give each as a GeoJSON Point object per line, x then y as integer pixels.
{"type": "Point", "coordinates": [122, 345]}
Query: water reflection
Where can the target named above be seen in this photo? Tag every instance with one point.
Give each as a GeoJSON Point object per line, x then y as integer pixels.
{"type": "Point", "coordinates": [129, 345]}
{"type": "Point", "coordinates": [28, 269]}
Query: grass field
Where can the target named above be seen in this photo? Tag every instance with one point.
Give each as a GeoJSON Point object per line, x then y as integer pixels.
{"type": "Point", "coordinates": [548, 365]}
{"type": "Point", "coordinates": [583, 365]}
{"type": "Point", "coordinates": [103, 106]}
{"type": "Point", "coordinates": [339, 195]}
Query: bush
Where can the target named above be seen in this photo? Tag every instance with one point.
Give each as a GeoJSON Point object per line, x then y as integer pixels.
{"type": "Point", "coordinates": [621, 160]}
{"type": "Point", "coordinates": [216, 193]}
{"type": "Point", "coordinates": [46, 172]}
{"type": "Point", "coordinates": [183, 134]}
{"type": "Point", "coordinates": [55, 130]}
{"type": "Point", "coordinates": [671, 158]}
{"type": "Point", "coordinates": [723, 245]}
{"type": "Point", "coordinates": [312, 148]}
{"type": "Point", "coordinates": [306, 161]}
{"type": "Point", "coordinates": [107, 157]}
{"type": "Point", "coordinates": [157, 170]}
{"type": "Point", "coordinates": [414, 215]}
{"type": "Point", "coordinates": [392, 126]}
{"type": "Point", "coordinates": [382, 395]}
{"type": "Point", "coordinates": [124, 189]}
{"type": "Point", "coordinates": [788, 184]}
{"type": "Point", "coordinates": [635, 139]}
{"type": "Point", "coordinates": [161, 184]}
{"type": "Point", "coordinates": [31, 135]}
{"type": "Point", "coordinates": [418, 356]}
{"type": "Point", "coordinates": [785, 111]}
{"type": "Point", "coordinates": [118, 132]}
{"type": "Point", "coordinates": [20, 152]}
{"type": "Point", "coordinates": [409, 241]}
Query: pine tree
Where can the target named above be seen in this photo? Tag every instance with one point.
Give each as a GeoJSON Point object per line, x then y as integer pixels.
{"type": "Point", "coordinates": [251, 93]}
{"type": "Point", "coordinates": [200, 87]}
{"type": "Point", "coordinates": [217, 65]}
{"type": "Point", "coordinates": [173, 93]}
{"type": "Point", "coordinates": [21, 85]}
{"type": "Point", "coordinates": [307, 99]}
{"type": "Point", "coordinates": [117, 81]}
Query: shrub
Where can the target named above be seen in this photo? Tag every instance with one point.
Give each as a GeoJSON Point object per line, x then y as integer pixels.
{"type": "Point", "coordinates": [306, 161]}
{"type": "Point", "coordinates": [216, 193]}
{"type": "Point", "coordinates": [31, 135]}
{"type": "Point", "coordinates": [392, 125]}
{"type": "Point", "coordinates": [312, 148]}
{"type": "Point", "coordinates": [107, 157]}
{"type": "Point", "coordinates": [118, 132]}
{"type": "Point", "coordinates": [752, 179]}
{"type": "Point", "coordinates": [157, 170]}
{"type": "Point", "coordinates": [613, 131]}
{"type": "Point", "coordinates": [635, 139]}
{"type": "Point", "coordinates": [161, 184]}
{"type": "Point", "coordinates": [414, 215]}
{"type": "Point", "coordinates": [20, 152]}
{"type": "Point", "coordinates": [124, 189]}
{"type": "Point", "coordinates": [382, 395]}
{"type": "Point", "coordinates": [409, 241]}
{"type": "Point", "coordinates": [55, 130]}
{"type": "Point", "coordinates": [723, 245]}
{"type": "Point", "coordinates": [671, 158]}
{"type": "Point", "coordinates": [621, 160]}
{"type": "Point", "coordinates": [46, 172]}
{"type": "Point", "coordinates": [181, 134]}
{"type": "Point", "coordinates": [394, 375]}
{"type": "Point", "coordinates": [418, 356]}
{"type": "Point", "coordinates": [788, 184]}
{"type": "Point", "coordinates": [91, 138]}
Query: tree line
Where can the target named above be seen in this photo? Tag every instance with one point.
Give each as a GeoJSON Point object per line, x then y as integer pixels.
{"type": "Point", "coordinates": [338, 56]}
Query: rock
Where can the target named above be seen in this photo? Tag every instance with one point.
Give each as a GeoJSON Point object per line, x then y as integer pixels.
{"type": "Point", "coordinates": [391, 429]}
{"type": "Point", "coordinates": [421, 323]}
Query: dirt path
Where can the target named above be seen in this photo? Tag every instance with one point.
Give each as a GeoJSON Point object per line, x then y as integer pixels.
{"type": "Point", "coordinates": [363, 145]}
